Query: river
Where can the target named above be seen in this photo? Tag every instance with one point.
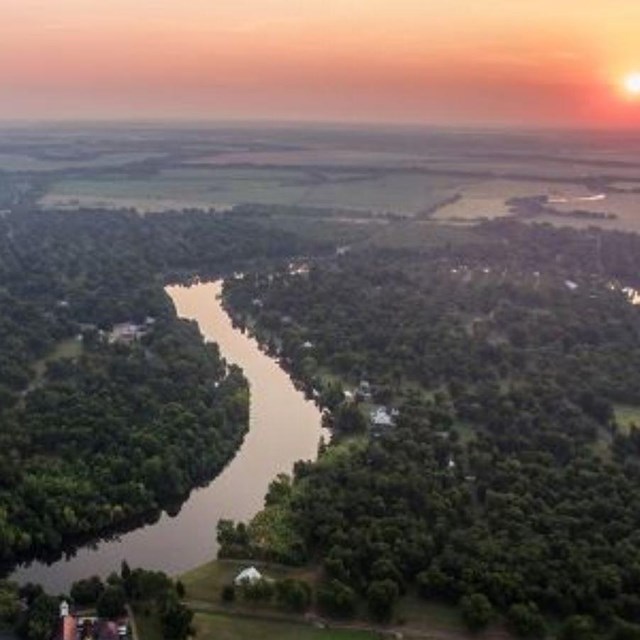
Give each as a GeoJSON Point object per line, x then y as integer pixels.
{"type": "Point", "coordinates": [284, 428]}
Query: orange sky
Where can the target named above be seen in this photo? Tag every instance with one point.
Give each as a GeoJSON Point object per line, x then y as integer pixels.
{"type": "Point", "coordinates": [531, 62]}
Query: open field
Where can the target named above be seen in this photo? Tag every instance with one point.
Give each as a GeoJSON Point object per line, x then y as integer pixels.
{"type": "Point", "coordinates": [214, 626]}
{"type": "Point", "coordinates": [355, 171]}
{"type": "Point", "coordinates": [21, 162]}
{"type": "Point", "coordinates": [224, 187]}
{"type": "Point", "coordinates": [70, 348]}
{"type": "Point", "coordinates": [627, 416]}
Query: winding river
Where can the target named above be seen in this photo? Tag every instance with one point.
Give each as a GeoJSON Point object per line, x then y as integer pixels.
{"type": "Point", "coordinates": [284, 428]}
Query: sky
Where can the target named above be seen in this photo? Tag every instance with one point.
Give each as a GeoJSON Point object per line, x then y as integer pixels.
{"type": "Point", "coordinates": [457, 62]}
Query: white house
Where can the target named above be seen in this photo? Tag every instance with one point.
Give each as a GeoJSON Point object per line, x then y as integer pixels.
{"type": "Point", "coordinates": [249, 575]}
{"type": "Point", "coordinates": [381, 418]}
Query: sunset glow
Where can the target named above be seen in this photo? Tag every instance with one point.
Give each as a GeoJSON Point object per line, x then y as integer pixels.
{"type": "Point", "coordinates": [442, 61]}
{"type": "Point", "coordinates": [632, 84]}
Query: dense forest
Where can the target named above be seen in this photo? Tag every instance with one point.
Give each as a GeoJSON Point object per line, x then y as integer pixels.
{"type": "Point", "coordinates": [98, 428]}
{"type": "Point", "coordinates": [508, 484]}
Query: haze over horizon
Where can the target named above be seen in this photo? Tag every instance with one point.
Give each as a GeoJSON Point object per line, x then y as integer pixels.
{"type": "Point", "coordinates": [445, 62]}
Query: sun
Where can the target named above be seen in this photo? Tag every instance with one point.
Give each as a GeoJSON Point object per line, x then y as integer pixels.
{"type": "Point", "coordinates": [632, 84]}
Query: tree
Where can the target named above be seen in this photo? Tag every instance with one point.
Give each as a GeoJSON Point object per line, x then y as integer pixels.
{"type": "Point", "coordinates": [293, 594]}
{"type": "Point", "coordinates": [176, 621]}
{"type": "Point", "coordinates": [40, 620]}
{"type": "Point", "coordinates": [228, 593]}
{"type": "Point", "coordinates": [87, 592]}
{"type": "Point", "coordinates": [337, 599]}
{"type": "Point", "coordinates": [111, 604]}
{"type": "Point", "coordinates": [525, 621]}
{"type": "Point", "coordinates": [381, 598]}
{"type": "Point", "coordinates": [477, 611]}
{"type": "Point", "coordinates": [578, 628]}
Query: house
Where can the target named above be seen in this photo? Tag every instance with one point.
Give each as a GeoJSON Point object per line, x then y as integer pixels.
{"type": "Point", "coordinates": [247, 576]}
{"type": "Point", "coordinates": [572, 286]}
{"type": "Point", "coordinates": [381, 418]}
{"type": "Point", "coordinates": [364, 391]}
{"type": "Point", "coordinates": [126, 333]}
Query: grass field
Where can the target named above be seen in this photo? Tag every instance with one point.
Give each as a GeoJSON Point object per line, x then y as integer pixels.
{"type": "Point", "coordinates": [70, 348]}
{"type": "Point", "coordinates": [224, 187]}
{"type": "Point", "coordinates": [210, 626]}
{"type": "Point", "coordinates": [205, 582]}
{"type": "Point", "coordinates": [626, 416]}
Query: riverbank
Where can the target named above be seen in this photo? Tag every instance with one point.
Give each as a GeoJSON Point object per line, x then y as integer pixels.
{"type": "Point", "coordinates": [284, 428]}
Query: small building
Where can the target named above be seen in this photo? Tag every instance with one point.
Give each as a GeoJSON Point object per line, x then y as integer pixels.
{"type": "Point", "coordinates": [364, 391]}
{"type": "Point", "coordinates": [126, 333]}
{"type": "Point", "coordinates": [249, 575]}
{"type": "Point", "coordinates": [571, 285]}
{"type": "Point", "coordinates": [381, 418]}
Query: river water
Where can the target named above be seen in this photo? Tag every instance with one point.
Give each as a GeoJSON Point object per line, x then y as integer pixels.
{"type": "Point", "coordinates": [284, 428]}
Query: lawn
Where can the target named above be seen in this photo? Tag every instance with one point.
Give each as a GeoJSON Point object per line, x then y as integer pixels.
{"type": "Point", "coordinates": [148, 626]}
{"type": "Point", "coordinates": [222, 627]}
{"type": "Point", "coordinates": [70, 348]}
{"type": "Point", "coordinates": [626, 416]}
{"type": "Point", "coordinates": [205, 582]}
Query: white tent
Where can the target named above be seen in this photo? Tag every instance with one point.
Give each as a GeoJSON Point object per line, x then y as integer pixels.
{"type": "Point", "coordinates": [249, 575]}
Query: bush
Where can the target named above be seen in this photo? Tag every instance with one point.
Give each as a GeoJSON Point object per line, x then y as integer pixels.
{"type": "Point", "coordinates": [525, 621]}
{"type": "Point", "coordinates": [86, 592]}
{"type": "Point", "coordinates": [477, 611]}
{"type": "Point", "coordinates": [228, 593]}
{"type": "Point", "coordinates": [259, 591]}
{"type": "Point", "coordinates": [294, 594]}
{"type": "Point", "coordinates": [381, 598]}
{"type": "Point", "coordinates": [337, 599]}
{"type": "Point", "coordinates": [578, 628]}
{"type": "Point", "coordinates": [111, 603]}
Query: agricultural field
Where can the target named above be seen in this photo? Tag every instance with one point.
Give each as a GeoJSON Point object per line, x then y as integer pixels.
{"type": "Point", "coordinates": [458, 176]}
{"type": "Point", "coordinates": [224, 187]}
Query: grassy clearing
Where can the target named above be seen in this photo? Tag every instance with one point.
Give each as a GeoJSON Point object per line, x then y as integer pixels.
{"type": "Point", "coordinates": [148, 624]}
{"type": "Point", "coordinates": [70, 348]}
{"type": "Point", "coordinates": [626, 416]}
{"type": "Point", "coordinates": [417, 613]}
{"type": "Point", "coordinates": [222, 627]}
{"type": "Point", "coordinates": [205, 582]}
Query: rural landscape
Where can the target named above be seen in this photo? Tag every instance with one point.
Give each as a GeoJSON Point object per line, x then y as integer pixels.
{"type": "Point", "coordinates": [320, 321]}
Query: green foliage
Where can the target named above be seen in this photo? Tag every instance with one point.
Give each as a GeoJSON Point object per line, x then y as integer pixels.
{"type": "Point", "coordinates": [111, 603]}
{"type": "Point", "coordinates": [87, 592]}
{"type": "Point", "coordinates": [381, 598]}
{"type": "Point", "coordinates": [525, 621]}
{"type": "Point", "coordinates": [477, 611]}
{"type": "Point", "coordinates": [258, 591]}
{"type": "Point", "coordinates": [40, 620]}
{"type": "Point", "coordinates": [522, 335]}
{"type": "Point", "coordinates": [176, 621]}
{"type": "Point", "coordinates": [337, 599]}
{"type": "Point", "coordinates": [294, 595]}
{"type": "Point", "coordinates": [578, 628]}
{"type": "Point", "coordinates": [10, 607]}
{"type": "Point", "coordinates": [228, 593]}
